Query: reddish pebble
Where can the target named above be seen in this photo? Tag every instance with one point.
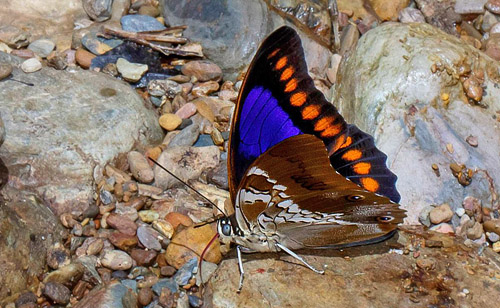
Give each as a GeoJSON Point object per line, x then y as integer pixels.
{"type": "Point", "coordinates": [186, 111]}
{"type": "Point", "coordinates": [176, 219]}
{"type": "Point", "coordinates": [123, 241]}
{"type": "Point", "coordinates": [143, 257]}
{"type": "Point", "coordinates": [121, 223]}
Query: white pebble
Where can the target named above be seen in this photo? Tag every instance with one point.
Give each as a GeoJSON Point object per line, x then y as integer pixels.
{"type": "Point", "coordinates": [31, 65]}
{"type": "Point", "coordinates": [460, 211]}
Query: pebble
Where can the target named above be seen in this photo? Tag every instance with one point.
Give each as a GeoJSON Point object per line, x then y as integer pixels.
{"type": "Point", "coordinates": [493, 6]}
{"type": "Point", "coordinates": [204, 109]}
{"type": "Point", "coordinates": [140, 168]}
{"type": "Point", "coordinates": [145, 296]}
{"type": "Point", "coordinates": [228, 95]}
{"type": "Point", "coordinates": [57, 292]}
{"type": "Point", "coordinates": [496, 247]}
{"type": "Point", "coordinates": [492, 47]}
{"type": "Point", "coordinates": [492, 225]}
{"type": "Point", "coordinates": [205, 88]}
{"type": "Point", "coordinates": [204, 141]}
{"type": "Point", "coordinates": [493, 237]}
{"type": "Point", "coordinates": [131, 71]}
{"type": "Point", "coordinates": [168, 283]}
{"type": "Point", "coordinates": [410, 14]}
{"type": "Point", "coordinates": [475, 232]}
{"type": "Point", "coordinates": [84, 58]}
{"type": "Point", "coordinates": [194, 241]}
{"type": "Point", "coordinates": [149, 10]}
{"type": "Point", "coordinates": [42, 47]}
{"type": "Point", "coordinates": [170, 121]}
{"type": "Point", "coordinates": [96, 45]}
{"type": "Point", "coordinates": [472, 207]}
{"type": "Point", "coordinates": [217, 137]}
{"type": "Point", "coordinates": [149, 238]}
{"type": "Point", "coordinates": [14, 37]}
{"type": "Point", "coordinates": [218, 176]}
{"type": "Point", "coordinates": [195, 301]}
{"type": "Point", "coordinates": [442, 213]}
{"type": "Point", "coordinates": [95, 247]}
{"type": "Point", "coordinates": [180, 78]}
{"type": "Point", "coordinates": [31, 65]}
{"type": "Point", "coordinates": [148, 216]}
{"type": "Point", "coordinates": [26, 298]}
{"type": "Point", "coordinates": [116, 260]}
{"type": "Point", "coordinates": [203, 70]}
{"type": "Point", "coordinates": [98, 10]}
{"type": "Point", "coordinates": [167, 271]}
{"type": "Point", "coordinates": [66, 275]}
{"type": "Point", "coordinates": [472, 141]}
{"type": "Point", "coordinates": [186, 137]}
{"type": "Point", "coordinates": [186, 111]}
{"type": "Point", "coordinates": [143, 257]}
{"type": "Point", "coordinates": [110, 69]}
{"type": "Point", "coordinates": [470, 6]}
{"type": "Point", "coordinates": [6, 70]}
{"type": "Point", "coordinates": [488, 21]}
{"type": "Point", "coordinates": [123, 241]}
{"type": "Point", "coordinates": [58, 256]}
{"type": "Point", "coordinates": [443, 228]}
{"type": "Point", "coordinates": [495, 29]}
{"type": "Point", "coordinates": [121, 223]}
{"type": "Point", "coordinates": [176, 219]}
{"type": "Point", "coordinates": [423, 217]}
{"type": "Point", "coordinates": [207, 270]}
{"type": "Point", "coordinates": [185, 273]}
{"type": "Point", "coordinates": [460, 212]}
{"type": "Point", "coordinates": [140, 23]}
{"type": "Point", "coordinates": [164, 227]}
{"type": "Point", "coordinates": [161, 87]}
{"type": "Point", "coordinates": [5, 48]}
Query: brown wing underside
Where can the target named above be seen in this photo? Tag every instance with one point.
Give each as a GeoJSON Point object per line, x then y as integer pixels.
{"type": "Point", "coordinates": [293, 185]}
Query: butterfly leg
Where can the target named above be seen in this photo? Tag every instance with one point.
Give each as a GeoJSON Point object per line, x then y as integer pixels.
{"type": "Point", "coordinates": [240, 265]}
{"type": "Point", "coordinates": [293, 254]}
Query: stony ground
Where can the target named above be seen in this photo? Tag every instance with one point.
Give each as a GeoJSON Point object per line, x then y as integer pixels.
{"type": "Point", "coordinates": [135, 244]}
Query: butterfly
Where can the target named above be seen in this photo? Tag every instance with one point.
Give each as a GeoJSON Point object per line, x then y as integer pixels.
{"type": "Point", "coordinates": [299, 175]}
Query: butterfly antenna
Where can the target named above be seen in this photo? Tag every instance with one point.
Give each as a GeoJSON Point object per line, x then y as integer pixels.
{"type": "Point", "coordinates": [189, 186]}
{"type": "Point", "coordinates": [200, 261]}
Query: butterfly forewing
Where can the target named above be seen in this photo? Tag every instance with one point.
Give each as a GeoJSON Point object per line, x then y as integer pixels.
{"type": "Point", "coordinates": [293, 190]}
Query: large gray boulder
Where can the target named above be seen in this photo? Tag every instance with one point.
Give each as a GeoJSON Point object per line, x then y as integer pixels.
{"type": "Point", "coordinates": [64, 126]}
{"type": "Point", "coordinates": [394, 86]}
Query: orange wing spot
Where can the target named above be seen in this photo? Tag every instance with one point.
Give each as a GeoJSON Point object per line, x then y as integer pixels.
{"type": "Point", "coordinates": [310, 112]}
{"type": "Point", "coordinates": [298, 99]}
{"type": "Point", "coordinates": [287, 73]}
{"type": "Point", "coordinates": [291, 85]}
{"type": "Point", "coordinates": [370, 184]}
{"type": "Point", "coordinates": [281, 63]}
{"type": "Point", "coordinates": [323, 123]}
{"type": "Point", "coordinates": [352, 155]}
{"type": "Point", "coordinates": [362, 168]}
{"type": "Point", "coordinates": [272, 54]}
{"type": "Point", "coordinates": [346, 143]}
{"type": "Point", "coordinates": [338, 143]}
{"type": "Point", "coordinates": [331, 131]}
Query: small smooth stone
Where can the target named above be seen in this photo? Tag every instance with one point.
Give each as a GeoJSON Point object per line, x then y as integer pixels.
{"type": "Point", "coordinates": [84, 58]}
{"type": "Point", "coordinates": [145, 296]}
{"type": "Point", "coordinates": [185, 123]}
{"type": "Point", "coordinates": [488, 21]}
{"type": "Point", "coordinates": [149, 10]}
{"type": "Point", "coordinates": [204, 110]}
{"type": "Point", "coordinates": [176, 219]}
{"type": "Point", "coordinates": [23, 53]}
{"type": "Point", "coordinates": [121, 223]}
{"type": "Point", "coordinates": [186, 137]}
{"type": "Point", "coordinates": [148, 216]}
{"type": "Point", "coordinates": [409, 14]}
{"type": "Point", "coordinates": [472, 141]}
{"type": "Point", "coordinates": [493, 237]}
{"type": "Point", "coordinates": [143, 257]}
{"type": "Point", "coordinates": [493, 6]}
{"type": "Point", "coordinates": [58, 256]}
{"type": "Point", "coordinates": [167, 271]}
{"type": "Point", "coordinates": [161, 87]}
{"type": "Point", "coordinates": [131, 71]}
{"type": "Point", "coordinates": [165, 283]}
{"type": "Point", "coordinates": [148, 237]}
{"type": "Point", "coordinates": [228, 95]}
{"type": "Point", "coordinates": [470, 6]}
{"type": "Point", "coordinates": [492, 48]}
{"type": "Point", "coordinates": [106, 197]}
{"type": "Point", "coordinates": [123, 241]}
{"type": "Point", "coordinates": [155, 101]}
{"type": "Point", "coordinates": [492, 225]}
{"type": "Point", "coordinates": [13, 36]}
{"type": "Point", "coordinates": [475, 232]}
{"type": "Point", "coordinates": [204, 141]}
{"type": "Point", "coordinates": [195, 301]}
{"type": "Point", "coordinates": [95, 247]}
{"type": "Point", "coordinates": [460, 212]}
{"type": "Point", "coordinates": [5, 48]}
{"type": "Point", "coordinates": [26, 298]}
{"type": "Point", "coordinates": [140, 23]}
{"type": "Point", "coordinates": [205, 88]}
{"type": "Point", "coordinates": [186, 111]}
{"type": "Point", "coordinates": [170, 121]}
{"type": "Point", "coordinates": [98, 10]}
{"type": "Point", "coordinates": [31, 65]}
{"type": "Point", "coordinates": [496, 247]}
{"type": "Point", "coordinates": [6, 70]}
{"type": "Point", "coordinates": [140, 168]}
{"type": "Point", "coordinates": [217, 137]}
{"type": "Point", "coordinates": [180, 78]}
{"type": "Point", "coordinates": [164, 227]}
{"type": "Point", "coordinates": [185, 273]}
{"type": "Point", "coordinates": [495, 29]}
{"type": "Point", "coordinates": [116, 260]}
{"type": "Point", "coordinates": [203, 70]}
{"type": "Point", "coordinates": [207, 270]}
{"type": "Point", "coordinates": [442, 213]}
{"type": "Point", "coordinates": [57, 292]}
{"type": "Point", "coordinates": [443, 228]}
{"type": "Point", "coordinates": [94, 45]}
{"type": "Point", "coordinates": [42, 47]}
{"type": "Point", "coordinates": [127, 211]}
{"type": "Point", "coordinates": [66, 274]}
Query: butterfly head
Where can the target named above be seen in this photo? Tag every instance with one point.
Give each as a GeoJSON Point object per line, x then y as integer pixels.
{"type": "Point", "coordinates": [228, 227]}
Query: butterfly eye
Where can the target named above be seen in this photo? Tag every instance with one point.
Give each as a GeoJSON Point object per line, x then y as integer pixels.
{"type": "Point", "coordinates": [385, 219]}
{"type": "Point", "coordinates": [226, 229]}
{"type": "Point", "coordinates": [355, 197]}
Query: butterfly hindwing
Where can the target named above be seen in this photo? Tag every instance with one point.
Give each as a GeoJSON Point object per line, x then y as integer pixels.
{"type": "Point", "coordinates": [306, 192]}
{"type": "Point", "coordinates": [278, 100]}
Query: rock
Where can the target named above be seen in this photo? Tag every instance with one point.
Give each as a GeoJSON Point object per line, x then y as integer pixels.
{"type": "Point", "coordinates": [170, 121]}
{"type": "Point", "coordinates": [95, 247]}
{"type": "Point", "coordinates": [122, 224]}
{"type": "Point", "coordinates": [434, 126]}
{"type": "Point", "coordinates": [496, 247]}
{"type": "Point", "coordinates": [149, 10]}
{"type": "Point", "coordinates": [202, 70]}
{"type": "Point", "coordinates": [186, 137]}
{"type": "Point", "coordinates": [84, 58]}
{"type": "Point", "coordinates": [232, 31]}
{"type": "Point", "coordinates": [489, 20]}
{"type": "Point", "coordinates": [492, 236]}
{"type": "Point", "coordinates": [205, 88]}
{"type": "Point", "coordinates": [141, 23]}
{"type": "Point", "coordinates": [470, 6]}
{"type": "Point", "coordinates": [443, 228]}
{"type": "Point", "coordinates": [164, 227]}
{"type": "Point", "coordinates": [145, 296]}
{"type": "Point", "coordinates": [116, 260]}
{"type": "Point", "coordinates": [31, 65]}
{"type": "Point", "coordinates": [143, 257]}
{"type": "Point", "coordinates": [410, 14]}
{"type": "Point", "coordinates": [26, 298]}
{"type": "Point", "coordinates": [58, 256]}
{"type": "Point", "coordinates": [440, 14]}
{"type": "Point", "coordinates": [205, 272]}
{"type": "Point", "coordinates": [168, 283]}
{"type": "Point", "coordinates": [492, 225]}
{"type": "Point", "coordinates": [473, 208]}
{"type": "Point", "coordinates": [57, 292]}
{"type": "Point", "coordinates": [161, 87]}
{"type": "Point", "coordinates": [185, 273]}
{"type": "Point", "coordinates": [218, 176]}
{"type": "Point", "coordinates": [98, 10]}
{"type": "Point", "coordinates": [98, 45]}
{"type": "Point", "coordinates": [14, 37]}
{"type": "Point", "coordinates": [442, 213]}
{"type": "Point", "coordinates": [113, 294]}
{"type": "Point", "coordinates": [149, 238]}
{"type": "Point", "coordinates": [493, 6]}
{"type": "Point", "coordinates": [388, 10]}
{"type": "Point", "coordinates": [186, 111]}
{"type": "Point", "coordinates": [123, 241]}
{"type": "Point", "coordinates": [204, 141]}
{"type": "Point", "coordinates": [187, 163]}
{"type": "Point", "coordinates": [190, 243]}
{"type": "Point", "coordinates": [6, 70]}
{"type": "Point", "coordinates": [140, 168]}
{"type": "Point", "coordinates": [228, 95]}
{"type": "Point", "coordinates": [42, 47]}
{"type": "Point", "coordinates": [67, 275]}
{"type": "Point", "coordinates": [204, 110]}
{"type": "Point", "coordinates": [460, 212]}
{"type": "Point", "coordinates": [168, 270]}
{"type": "Point", "coordinates": [195, 301]}
{"type": "Point", "coordinates": [131, 71]}
{"type": "Point", "coordinates": [492, 48]}
{"type": "Point", "coordinates": [475, 232]}
{"type": "Point", "coordinates": [148, 216]}
{"type": "Point", "coordinates": [176, 219]}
